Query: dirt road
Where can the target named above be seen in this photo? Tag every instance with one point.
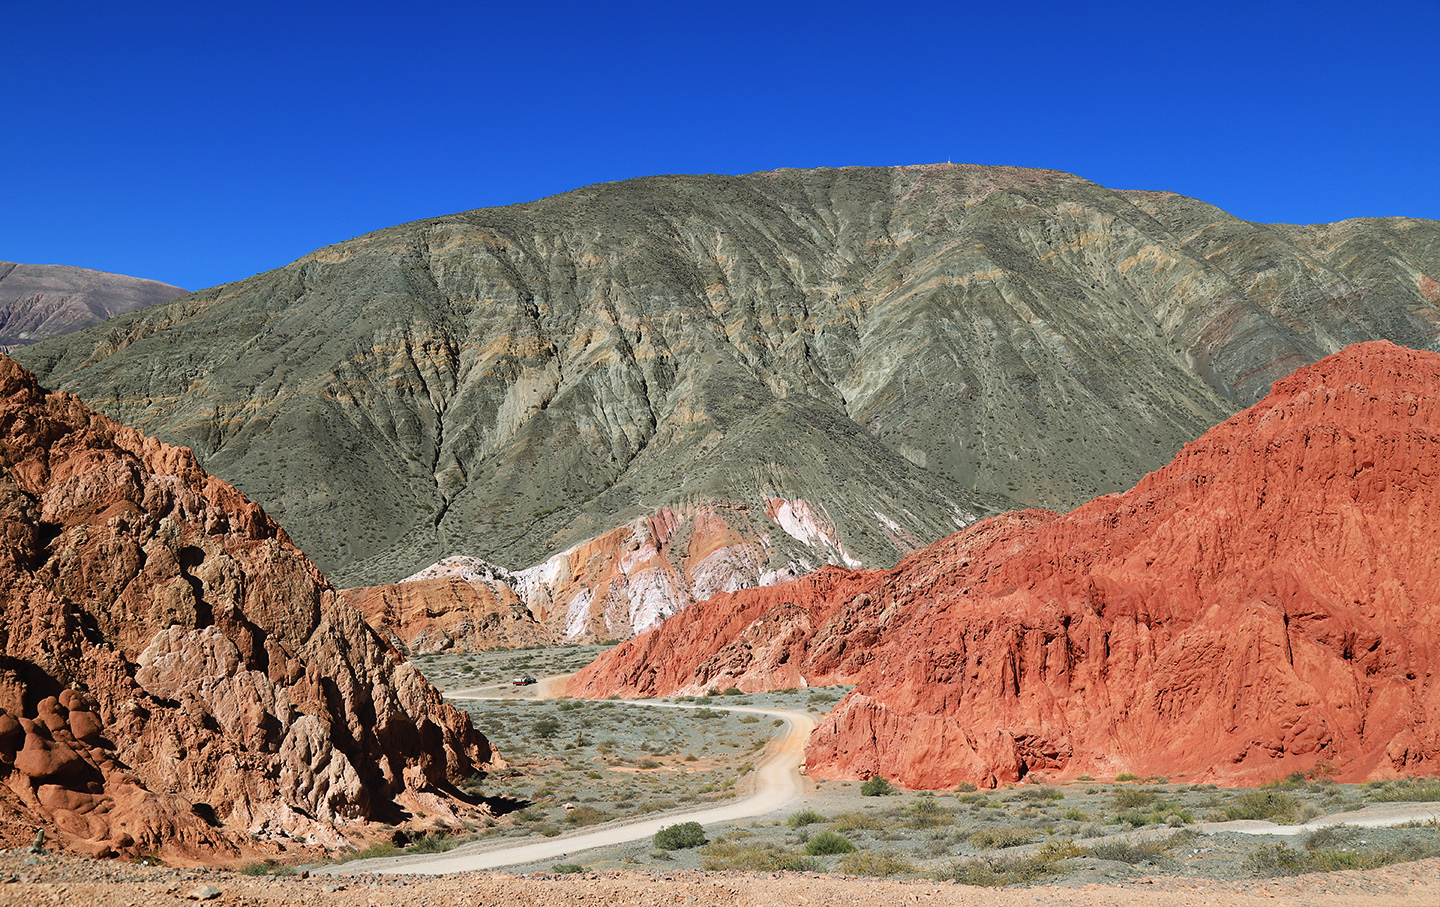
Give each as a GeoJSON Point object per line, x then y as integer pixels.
{"type": "Point", "coordinates": [775, 785]}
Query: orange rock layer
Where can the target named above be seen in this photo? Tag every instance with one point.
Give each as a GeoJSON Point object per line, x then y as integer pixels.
{"type": "Point", "coordinates": [175, 676]}
{"type": "Point", "coordinates": [1268, 602]}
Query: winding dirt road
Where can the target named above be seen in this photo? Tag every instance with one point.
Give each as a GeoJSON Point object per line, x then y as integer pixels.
{"type": "Point", "coordinates": [775, 785]}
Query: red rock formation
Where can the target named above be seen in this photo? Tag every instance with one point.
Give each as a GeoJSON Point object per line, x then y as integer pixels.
{"type": "Point", "coordinates": [177, 678]}
{"type": "Point", "coordinates": [1268, 601]}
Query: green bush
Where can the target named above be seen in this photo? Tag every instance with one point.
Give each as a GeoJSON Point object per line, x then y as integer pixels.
{"type": "Point", "coordinates": [876, 787]}
{"type": "Point", "coordinates": [561, 869]}
{"type": "Point", "coordinates": [827, 844]}
{"type": "Point", "coordinates": [804, 817]}
{"type": "Point", "coordinates": [680, 837]}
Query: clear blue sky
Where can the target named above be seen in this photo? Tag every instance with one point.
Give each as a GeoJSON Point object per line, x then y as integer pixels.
{"type": "Point", "coordinates": [200, 143]}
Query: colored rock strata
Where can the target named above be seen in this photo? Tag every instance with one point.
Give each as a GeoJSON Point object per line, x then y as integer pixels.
{"type": "Point", "coordinates": [175, 677]}
{"type": "Point", "coordinates": [1268, 602]}
{"type": "Point", "coordinates": [620, 583]}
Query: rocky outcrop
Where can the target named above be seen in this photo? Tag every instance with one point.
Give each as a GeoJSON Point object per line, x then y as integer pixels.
{"type": "Point", "coordinates": [1266, 603]}
{"type": "Point", "coordinates": [40, 301]}
{"type": "Point", "coordinates": [465, 609]}
{"type": "Point", "coordinates": [621, 583]}
{"type": "Point", "coordinates": [887, 344]}
{"type": "Point", "coordinates": [175, 676]}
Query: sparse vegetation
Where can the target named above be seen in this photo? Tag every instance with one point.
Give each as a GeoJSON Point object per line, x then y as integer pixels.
{"type": "Point", "coordinates": [881, 864]}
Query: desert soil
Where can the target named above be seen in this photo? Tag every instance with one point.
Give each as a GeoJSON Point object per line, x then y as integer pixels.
{"type": "Point", "coordinates": [50, 879]}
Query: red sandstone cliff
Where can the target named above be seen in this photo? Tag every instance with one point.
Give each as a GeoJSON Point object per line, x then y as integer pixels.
{"type": "Point", "coordinates": [1268, 601]}
{"type": "Point", "coordinates": [175, 676]}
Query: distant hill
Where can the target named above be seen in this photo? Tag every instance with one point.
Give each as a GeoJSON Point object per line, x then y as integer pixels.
{"type": "Point", "coordinates": [1267, 603]}
{"type": "Point", "coordinates": [901, 349]}
{"type": "Point", "coordinates": [40, 301]}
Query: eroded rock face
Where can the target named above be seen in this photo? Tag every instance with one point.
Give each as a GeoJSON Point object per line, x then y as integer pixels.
{"type": "Point", "coordinates": [613, 586]}
{"type": "Point", "coordinates": [1266, 602]}
{"type": "Point", "coordinates": [177, 678]}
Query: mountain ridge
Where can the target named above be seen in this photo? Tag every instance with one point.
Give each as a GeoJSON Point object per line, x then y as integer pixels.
{"type": "Point", "coordinates": [915, 342]}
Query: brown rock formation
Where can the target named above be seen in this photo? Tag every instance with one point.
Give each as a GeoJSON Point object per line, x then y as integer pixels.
{"type": "Point", "coordinates": [175, 676]}
{"type": "Point", "coordinates": [1268, 601]}
{"type": "Point", "coordinates": [425, 616]}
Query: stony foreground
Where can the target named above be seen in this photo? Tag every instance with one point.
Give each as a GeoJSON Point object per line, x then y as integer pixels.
{"type": "Point", "coordinates": [52, 879]}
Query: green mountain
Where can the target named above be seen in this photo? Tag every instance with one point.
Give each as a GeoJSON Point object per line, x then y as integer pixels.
{"type": "Point", "coordinates": [903, 348]}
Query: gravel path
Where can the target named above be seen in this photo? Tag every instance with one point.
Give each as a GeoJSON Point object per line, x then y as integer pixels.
{"type": "Point", "coordinates": [776, 785]}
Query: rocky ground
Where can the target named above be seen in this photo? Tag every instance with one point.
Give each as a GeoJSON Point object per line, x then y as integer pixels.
{"type": "Point", "coordinates": [31, 880]}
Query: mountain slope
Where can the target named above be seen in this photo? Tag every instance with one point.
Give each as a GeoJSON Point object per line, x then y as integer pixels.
{"type": "Point", "coordinates": [175, 677]}
{"type": "Point", "coordinates": [39, 301]}
{"type": "Point", "coordinates": [1264, 604]}
{"type": "Point", "coordinates": [886, 344]}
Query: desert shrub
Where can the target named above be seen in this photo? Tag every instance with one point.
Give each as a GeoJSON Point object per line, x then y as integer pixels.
{"type": "Point", "coordinates": [1126, 776]}
{"type": "Point", "coordinates": [585, 815]}
{"type": "Point", "coordinates": [1418, 790]}
{"type": "Point", "coordinates": [997, 838]}
{"type": "Point", "coordinates": [268, 868]}
{"type": "Point", "coordinates": [680, 837]}
{"type": "Point", "coordinates": [1280, 859]}
{"type": "Point", "coordinates": [648, 763]}
{"type": "Point", "coordinates": [1331, 836]}
{"type": "Point", "coordinates": [545, 728]}
{"type": "Point", "coordinates": [828, 843]}
{"type": "Point", "coordinates": [857, 821]}
{"type": "Point", "coordinates": [561, 869]}
{"type": "Point", "coordinates": [733, 691]}
{"type": "Point", "coordinates": [703, 713]}
{"type": "Point", "coordinates": [756, 858]}
{"type": "Point", "coordinates": [1268, 802]}
{"type": "Point", "coordinates": [1038, 794]}
{"type": "Point", "coordinates": [1074, 814]}
{"type": "Point", "coordinates": [883, 864]}
{"type": "Point", "coordinates": [1018, 870]}
{"type": "Point", "coordinates": [876, 787]}
{"type": "Point", "coordinates": [804, 817]}
{"type": "Point", "coordinates": [1127, 852]}
{"type": "Point", "coordinates": [431, 842]}
{"type": "Point", "coordinates": [376, 850]}
{"type": "Point", "coordinates": [964, 787]}
{"type": "Point", "coordinates": [1133, 798]}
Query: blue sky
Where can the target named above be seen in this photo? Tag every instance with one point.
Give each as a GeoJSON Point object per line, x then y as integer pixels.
{"type": "Point", "coordinates": [201, 143]}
